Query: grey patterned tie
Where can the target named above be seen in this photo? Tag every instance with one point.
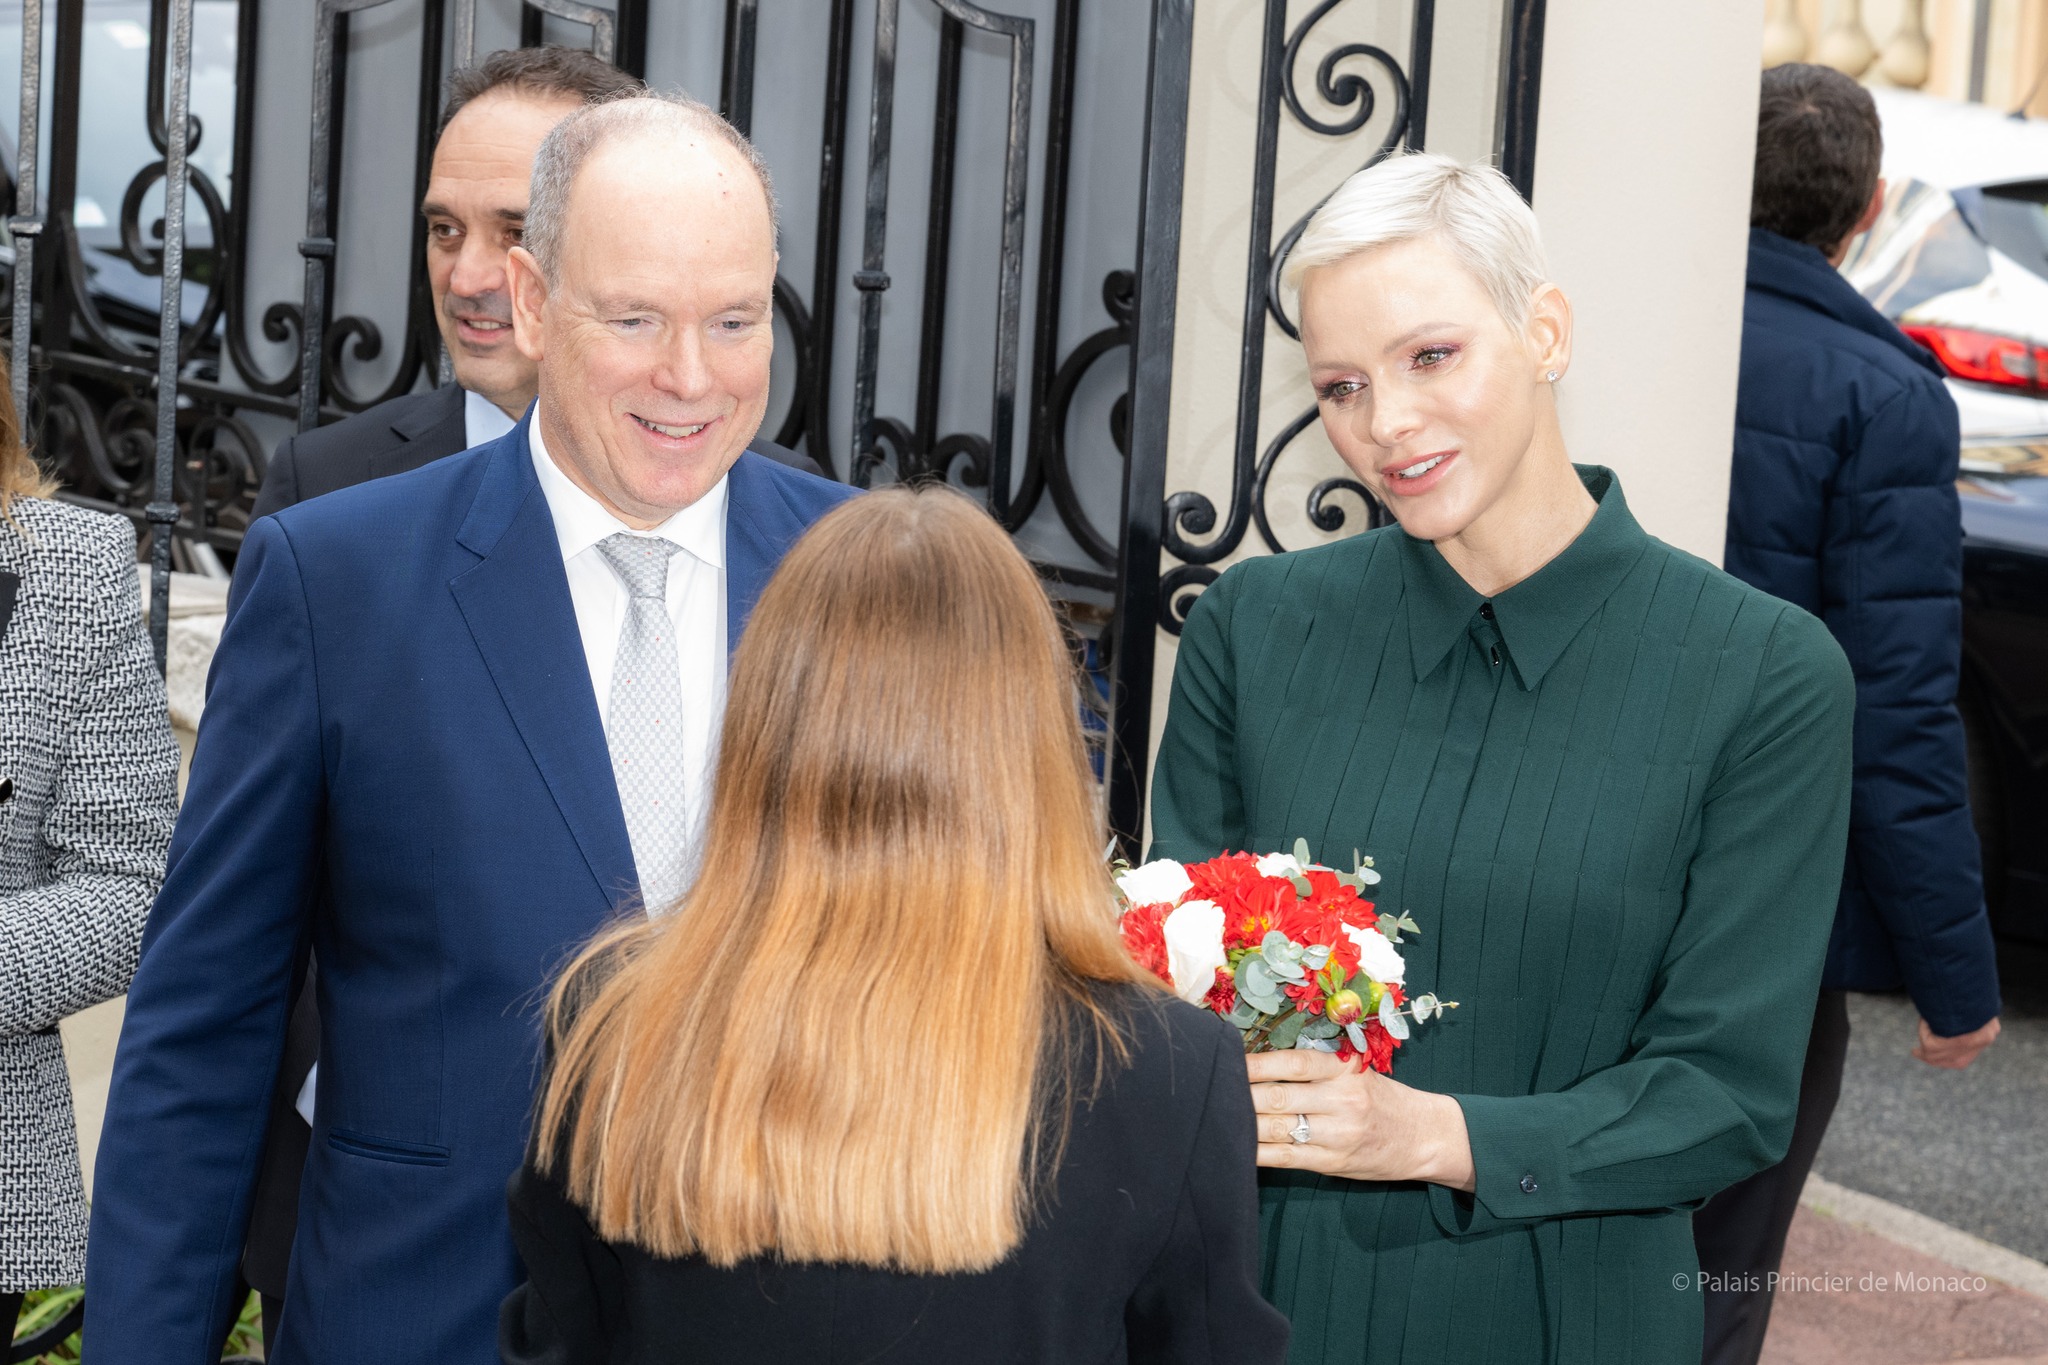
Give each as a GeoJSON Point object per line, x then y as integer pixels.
{"type": "Point", "coordinates": [645, 729]}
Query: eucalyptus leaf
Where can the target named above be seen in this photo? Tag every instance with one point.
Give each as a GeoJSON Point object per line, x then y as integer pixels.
{"type": "Point", "coordinates": [1390, 1018]}
{"type": "Point", "coordinates": [1317, 957]}
{"type": "Point", "coordinates": [1257, 986]}
{"type": "Point", "coordinates": [1243, 1014]}
{"type": "Point", "coordinates": [1319, 1027]}
{"type": "Point", "coordinates": [1286, 1031]}
{"type": "Point", "coordinates": [1282, 956]}
{"type": "Point", "coordinates": [1302, 887]}
{"type": "Point", "coordinates": [1301, 852]}
{"type": "Point", "coordinates": [1390, 928]}
{"type": "Point", "coordinates": [1356, 1032]}
{"type": "Point", "coordinates": [1315, 1045]}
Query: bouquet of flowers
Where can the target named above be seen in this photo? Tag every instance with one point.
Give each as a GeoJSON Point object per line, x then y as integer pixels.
{"type": "Point", "coordinates": [1287, 950]}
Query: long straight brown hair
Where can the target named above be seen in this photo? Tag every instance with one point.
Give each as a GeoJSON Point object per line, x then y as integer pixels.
{"type": "Point", "coordinates": [855, 1037]}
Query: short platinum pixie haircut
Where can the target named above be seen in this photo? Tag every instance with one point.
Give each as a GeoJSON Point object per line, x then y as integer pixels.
{"type": "Point", "coordinates": [572, 142]}
{"type": "Point", "coordinates": [1472, 209]}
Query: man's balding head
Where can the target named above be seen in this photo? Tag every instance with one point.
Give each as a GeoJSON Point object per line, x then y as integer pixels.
{"type": "Point", "coordinates": [648, 117]}
{"type": "Point", "coordinates": [645, 292]}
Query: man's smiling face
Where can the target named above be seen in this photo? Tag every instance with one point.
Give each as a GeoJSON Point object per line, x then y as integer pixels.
{"type": "Point", "coordinates": [654, 337]}
{"type": "Point", "coordinates": [475, 207]}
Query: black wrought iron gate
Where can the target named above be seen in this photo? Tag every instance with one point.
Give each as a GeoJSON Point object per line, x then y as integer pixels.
{"type": "Point", "coordinates": [166, 414]}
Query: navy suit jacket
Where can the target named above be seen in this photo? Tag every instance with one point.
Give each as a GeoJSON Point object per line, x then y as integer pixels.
{"type": "Point", "coordinates": [401, 763]}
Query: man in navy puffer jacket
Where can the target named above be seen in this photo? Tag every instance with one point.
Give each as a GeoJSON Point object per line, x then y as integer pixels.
{"type": "Point", "coordinates": [1843, 501]}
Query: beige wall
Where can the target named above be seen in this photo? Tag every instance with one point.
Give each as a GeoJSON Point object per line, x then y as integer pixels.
{"type": "Point", "coordinates": [1645, 215]}
{"type": "Point", "coordinates": [1643, 170]}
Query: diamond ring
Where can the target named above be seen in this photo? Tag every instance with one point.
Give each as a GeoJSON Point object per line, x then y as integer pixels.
{"type": "Point", "coordinates": [1299, 1132]}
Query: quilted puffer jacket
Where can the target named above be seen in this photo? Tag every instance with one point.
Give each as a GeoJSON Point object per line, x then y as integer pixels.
{"type": "Point", "coordinates": [1843, 501]}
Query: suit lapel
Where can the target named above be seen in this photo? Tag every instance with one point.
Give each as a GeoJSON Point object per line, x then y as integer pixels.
{"type": "Point", "coordinates": [516, 603]}
{"type": "Point", "coordinates": [759, 529]}
{"type": "Point", "coordinates": [432, 429]}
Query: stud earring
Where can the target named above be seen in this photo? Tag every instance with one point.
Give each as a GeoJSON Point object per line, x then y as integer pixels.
{"type": "Point", "coordinates": [1550, 378]}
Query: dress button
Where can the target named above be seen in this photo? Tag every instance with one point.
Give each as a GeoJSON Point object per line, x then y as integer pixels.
{"type": "Point", "coordinates": [1528, 1184]}
{"type": "Point", "coordinates": [1486, 610]}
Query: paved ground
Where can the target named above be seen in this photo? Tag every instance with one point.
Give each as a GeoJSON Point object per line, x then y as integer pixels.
{"type": "Point", "coordinates": [1969, 1148]}
{"type": "Point", "coordinates": [1855, 1298]}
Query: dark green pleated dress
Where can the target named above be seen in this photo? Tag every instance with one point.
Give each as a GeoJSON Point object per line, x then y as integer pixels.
{"type": "Point", "coordinates": [1616, 799]}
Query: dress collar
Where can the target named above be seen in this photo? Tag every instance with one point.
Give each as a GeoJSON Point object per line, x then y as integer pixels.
{"type": "Point", "coordinates": [1539, 616]}
{"type": "Point", "coordinates": [581, 521]}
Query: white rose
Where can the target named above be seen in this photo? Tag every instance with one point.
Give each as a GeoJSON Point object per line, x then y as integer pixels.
{"type": "Point", "coordinates": [1159, 882]}
{"type": "Point", "coordinates": [1279, 865]}
{"type": "Point", "coordinates": [1194, 948]}
{"type": "Point", "coordinates": [1376, 957]}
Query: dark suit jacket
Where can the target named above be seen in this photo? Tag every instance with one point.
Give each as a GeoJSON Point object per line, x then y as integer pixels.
{"type": "Point", "coordinates": [1147, 1252]}
{"type": "Point", "coordinates": [391, 438]}
{"type": "Point", "coordinates": [402, 762]}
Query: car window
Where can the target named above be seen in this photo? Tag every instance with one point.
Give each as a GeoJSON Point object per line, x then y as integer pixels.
{"type": "Point", "coordinates": [1920, 248]}
{"type": "Point", "coordinates": [2016, 222]}
{"type": "Point", "coordinates": [113, 138]}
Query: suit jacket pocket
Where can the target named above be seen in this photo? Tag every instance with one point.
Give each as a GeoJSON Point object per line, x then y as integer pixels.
{"type": "Point", "coordinates": [387, 1149]}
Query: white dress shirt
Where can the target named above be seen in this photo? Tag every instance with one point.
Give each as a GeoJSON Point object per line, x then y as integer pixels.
{"type": "Point", "coordinates": [696, 598]}
{"type": "Point", "coordinates": [482, 420]}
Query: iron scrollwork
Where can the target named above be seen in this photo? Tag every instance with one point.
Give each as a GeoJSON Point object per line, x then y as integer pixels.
{"type": "Point", "coordinates": [1190, 513]}
{"type": "Point", "coordinates": [919, 451]}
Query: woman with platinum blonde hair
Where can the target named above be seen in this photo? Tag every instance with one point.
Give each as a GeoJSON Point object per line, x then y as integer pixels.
{"type": "Point", "coordinates": [1610, 782]}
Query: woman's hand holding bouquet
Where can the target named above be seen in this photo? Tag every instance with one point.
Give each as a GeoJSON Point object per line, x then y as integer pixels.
{"type": "Point", "coordinates": [1292, 954]}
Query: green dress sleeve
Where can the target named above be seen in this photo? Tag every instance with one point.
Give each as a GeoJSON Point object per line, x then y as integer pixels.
{"type": "Point", "coordinates": [1197, 804]}
{"type": "Point", "coordinates": [1706, 1093]}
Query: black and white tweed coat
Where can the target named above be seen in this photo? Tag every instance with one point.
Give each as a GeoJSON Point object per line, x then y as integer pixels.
{"type": "Point", "coordinates": [86, 741]}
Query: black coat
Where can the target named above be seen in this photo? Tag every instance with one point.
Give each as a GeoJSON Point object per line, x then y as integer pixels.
{"type": "Point", "coordinates": [1843, 501]}
{"type": "Point", "coordinates": [391, 438]}
{"type": "Point", "coordinates": [1148, 1252]}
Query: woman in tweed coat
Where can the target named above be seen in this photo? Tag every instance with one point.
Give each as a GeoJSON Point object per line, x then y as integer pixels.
{"type": "Point", "coordinates": [88, 790]}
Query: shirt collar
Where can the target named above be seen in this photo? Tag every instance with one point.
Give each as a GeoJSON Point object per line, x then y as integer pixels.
{"type": "Point", "coordinates": [482, 420]}
{"type": "Point", "coordinates": [1540, 616]}
{"type": "Point", "coordinates": [581, 521]}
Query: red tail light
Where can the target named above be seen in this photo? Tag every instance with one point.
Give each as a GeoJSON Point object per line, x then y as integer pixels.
{"type": "Point", "coordinates": [1985, 357]}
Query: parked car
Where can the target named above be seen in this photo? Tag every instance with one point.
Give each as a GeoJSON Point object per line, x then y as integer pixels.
{"type": "Point", "coordinates": [1959, 259]}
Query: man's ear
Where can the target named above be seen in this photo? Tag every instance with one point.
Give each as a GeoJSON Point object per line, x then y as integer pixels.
{"type": "Point", "coordinates": [529, 290]}
{"type": "Point", "coordinates": [1871, 211]}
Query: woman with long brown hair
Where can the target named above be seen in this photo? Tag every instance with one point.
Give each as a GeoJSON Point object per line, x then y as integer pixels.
{"type": "Point", "coordinates": [88, 779]}
{"type": "Point", "coordinates": [884, 1085]}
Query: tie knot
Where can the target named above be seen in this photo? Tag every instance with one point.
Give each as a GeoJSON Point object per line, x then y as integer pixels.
{"type": "Point", "coordinates": [641, 562]}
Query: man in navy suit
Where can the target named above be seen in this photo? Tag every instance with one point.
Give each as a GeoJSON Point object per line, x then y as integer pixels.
{"type": "Point", "coordinates": [459, 719]}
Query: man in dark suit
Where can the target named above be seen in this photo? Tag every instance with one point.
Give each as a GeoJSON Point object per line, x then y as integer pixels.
{"type": "Point", "coordinates": [494, 116]}
{"type": "Point", "coordinates": [459, 719]}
